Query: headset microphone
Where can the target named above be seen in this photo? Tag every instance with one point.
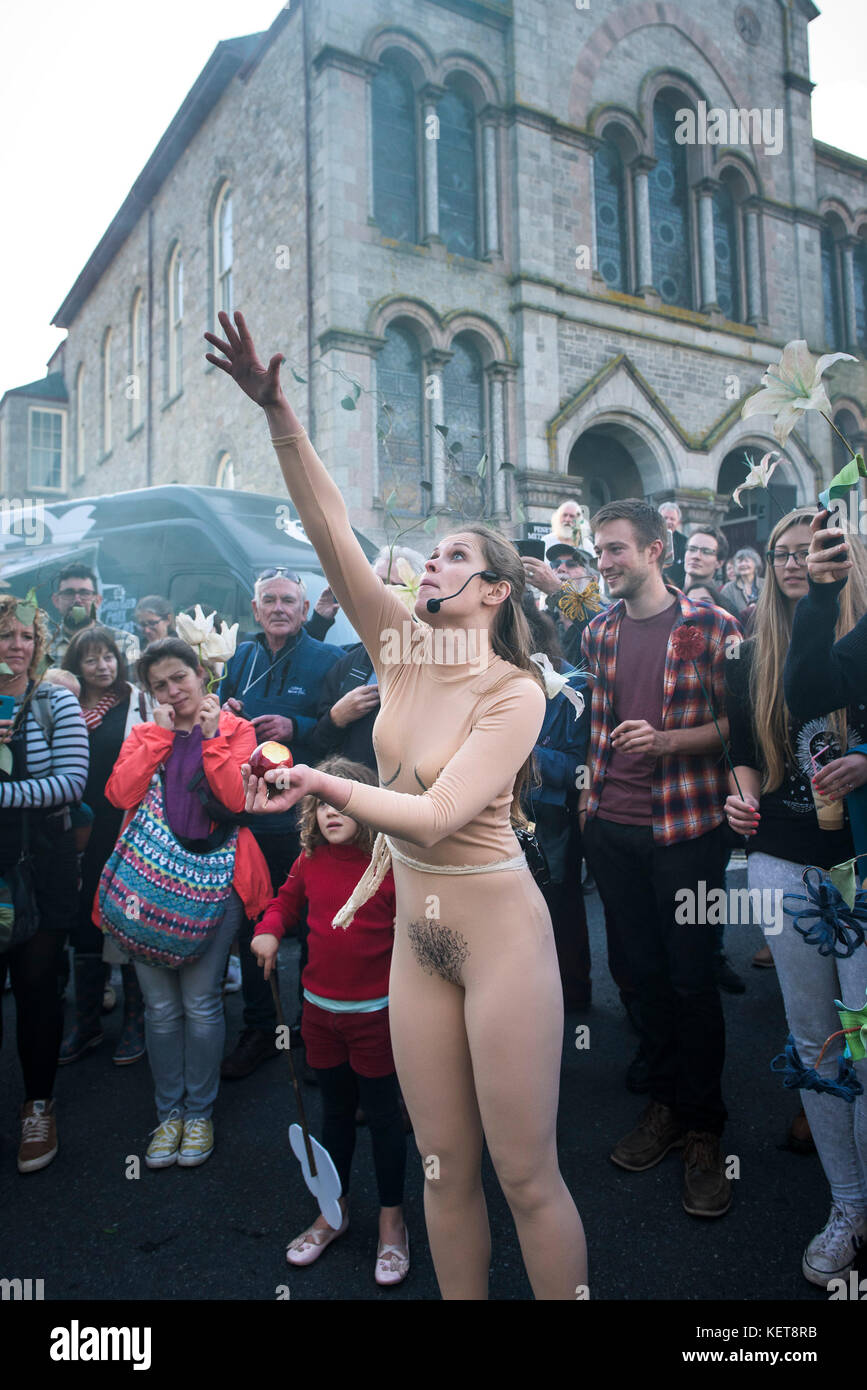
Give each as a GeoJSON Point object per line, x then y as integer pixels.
{"type": "Point", "coordinates": [434, 604]}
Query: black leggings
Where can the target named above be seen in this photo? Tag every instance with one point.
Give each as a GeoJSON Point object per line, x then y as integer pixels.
{"type": "Point", "coordinates": [33, 968]}
{"type": "Point", "coordinates": [342, 1090]}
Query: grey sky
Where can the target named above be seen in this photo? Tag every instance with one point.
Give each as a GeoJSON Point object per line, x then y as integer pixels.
{"type": "Point", "coordinates": [88, 89]}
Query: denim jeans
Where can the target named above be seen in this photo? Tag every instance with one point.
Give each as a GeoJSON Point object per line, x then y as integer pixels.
{"type": "Point", "coordinates": [671, 965]}
{"type": "Point", "coordinates": [810, 983]}
{"type": "Point", "coordinates": [185, 1027]}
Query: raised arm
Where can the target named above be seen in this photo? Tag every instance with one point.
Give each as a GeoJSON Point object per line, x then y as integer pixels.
{"type": "Point", "coordinates": [367, 603]}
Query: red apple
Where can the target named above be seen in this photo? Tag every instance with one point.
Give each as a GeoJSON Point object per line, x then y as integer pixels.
{"type": "Point", "coordinates": [268, 757]}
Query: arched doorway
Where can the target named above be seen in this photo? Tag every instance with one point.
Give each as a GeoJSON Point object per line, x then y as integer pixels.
{"type": "Point", "coordinates": [606, 467]}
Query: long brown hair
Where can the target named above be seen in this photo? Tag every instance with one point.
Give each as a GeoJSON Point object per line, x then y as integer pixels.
{"type": "Point", "coordinates": [308, 826]}
{"type": "Point", "coordinates": [510, 633]}
{"type": "Point", "coordinates": [772, 633]}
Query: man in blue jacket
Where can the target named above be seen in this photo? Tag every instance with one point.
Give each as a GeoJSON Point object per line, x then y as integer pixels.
{"type": "Point", "coordinates": [274, 681]}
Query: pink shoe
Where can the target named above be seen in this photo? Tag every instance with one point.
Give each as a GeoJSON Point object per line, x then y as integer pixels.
{"type": "Point", "coordinates": [392, 1263]}
{"type": "Point", "coordinates": [307, 1248]}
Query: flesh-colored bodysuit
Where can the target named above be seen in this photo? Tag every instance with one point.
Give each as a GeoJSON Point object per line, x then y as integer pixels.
{"type": "Point", "coordinates": [475, 1001]}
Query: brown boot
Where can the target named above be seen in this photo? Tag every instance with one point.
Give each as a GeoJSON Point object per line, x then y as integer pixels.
{"type": "Point", "coordinates": [706, 1189]}
{"type": "Point", "coordinates": [38, 1135]}
{"type": "Point", "coordinates": [657, 1131]}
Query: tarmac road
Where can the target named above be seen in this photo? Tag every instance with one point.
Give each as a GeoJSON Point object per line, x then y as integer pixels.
{"type": "Point", "coordinates": [90, 1231]}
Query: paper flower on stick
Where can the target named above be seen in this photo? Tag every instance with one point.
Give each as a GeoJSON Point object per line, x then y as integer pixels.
{"type": "Point", "coordinates": [407, 589]}
{"type": "Point", "coordinates": [759, 475]}
{"type": "Point", "coordinates": [215, 647]}
{"type": "Point", "coordinates": [832, 925]}
{"type": "Point", "coordinates": [556, 684]}
{"type": "Point", "coordinates": [793, 385]}
{"type": "Point", "coordinates": [801, 1078]}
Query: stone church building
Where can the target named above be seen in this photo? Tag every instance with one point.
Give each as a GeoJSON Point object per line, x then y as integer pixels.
{"type": "Point", "coordinates": [565, 237]}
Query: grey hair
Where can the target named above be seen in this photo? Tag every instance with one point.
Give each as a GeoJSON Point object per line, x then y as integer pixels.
{"type": "Point", "coordinates": [414, 558]}
{"type": "Point", "coordinates": [747, 553]}
{"type": "Point", "coordinates": [670, 507]}
{"type": "Point", "coordinates": [299, 582]}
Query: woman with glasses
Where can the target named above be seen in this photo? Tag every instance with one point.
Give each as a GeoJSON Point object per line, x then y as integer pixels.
{"type": "Point", "coordinates": [777, 757]}
{"type": "Point", "coordinates": [111, 708]}
{"type": "Point", "coordinates": [475, 1003]}
{"type": "Point", "coordinates": [155, 617]}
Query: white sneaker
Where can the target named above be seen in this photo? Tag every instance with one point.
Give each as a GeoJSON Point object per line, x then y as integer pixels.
{"type": "Point", "coordinates": [832, 1253]}
{"type": "Point", "coordinates": [232, 982]}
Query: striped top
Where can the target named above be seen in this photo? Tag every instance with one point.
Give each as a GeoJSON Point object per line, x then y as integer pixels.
{"type": "Point", "coordinates": [57, 773]}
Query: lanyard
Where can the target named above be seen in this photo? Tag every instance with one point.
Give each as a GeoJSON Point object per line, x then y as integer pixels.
{"type": "Point", "coordinates": [274, 664]}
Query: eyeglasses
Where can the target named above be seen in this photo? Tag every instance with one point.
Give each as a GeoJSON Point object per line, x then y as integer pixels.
{"type": "Point", "coordinates": [567, 561]}
{"type": "Point", "coordinates": [780, 558]}
{"type": "Point", "coordinates": [77, 593]}
{"type": "Point", "coordinates": [153, 623]}
{"type": "Point", "coordinates": [700, 550]}
{"type": "Point", "coordinates": [279, 571]}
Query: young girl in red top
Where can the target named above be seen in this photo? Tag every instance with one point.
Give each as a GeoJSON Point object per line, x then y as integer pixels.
{"type": "Point", "coordinates": [344, 1022]}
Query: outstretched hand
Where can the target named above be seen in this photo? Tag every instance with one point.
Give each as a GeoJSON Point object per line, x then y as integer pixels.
{"type": "Point", "coordinates": [241, 362]}
{"type": "Point", "coordinates": [278, 790]}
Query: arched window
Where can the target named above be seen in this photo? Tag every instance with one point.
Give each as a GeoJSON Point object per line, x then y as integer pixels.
{"type": "Point", "coordinates": [80, 457]}
{"type": "Point", "coordinates": [174, 319]}
{"type": "Point", "coordinates": [456, 171]}
{"type": "Point", "coordinates": [395, 158]}
{"type": "Point", "coordinates": [223, 252]}
{"type": "Point", "coordinates": [137, 357]}
{"type": "Point", "coordinates": [464, 414]}
{"type": "Point", "coordinates": [725, 249]}
{"type": "Point", "coordinates": [226, 472]}
{"type": "Point", "coordinates": [609, 187]}
{"type": "Point", "coordinates": [859, 260]}
{"type": "Point", "coordinates": [401, 421]}
{"type": "Point", "coordinates": [669, 211]}
{"type": "Point", "coordinates": [106, 392]}
{"type": "Point", "coordinates": [831, 290]}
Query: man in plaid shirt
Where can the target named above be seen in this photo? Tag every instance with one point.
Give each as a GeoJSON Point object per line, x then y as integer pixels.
{"type": "Point", "coordinates": [653, 826]}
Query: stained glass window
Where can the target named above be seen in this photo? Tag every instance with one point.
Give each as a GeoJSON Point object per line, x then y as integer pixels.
{"type": "Point", "coordinates": [831, 290]}
{"type": "Point", "coordinates": [464, 410]}
{"type": "Point", "coordinates": [611, 243]}
{"type": "Point", "coordinates": [860, 262]}
{"type": "Point", "coordinates": [456, 172]}
{"type": "Point", "coordinates": [395, 176]}
{"type": "Point", "coordinates": [669, 212]}
{"type": "Point", "coordinates": [725, 250]}
{"type": "Point", "coordinates": [401, 433]}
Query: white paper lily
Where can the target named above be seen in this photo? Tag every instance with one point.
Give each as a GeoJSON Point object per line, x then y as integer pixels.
{"type": "Point", "coordinates": [195, 630]}
{"type": "Point", "coordinates": [793, 385]}
{"type": "Point", "coordinates": [219, 647]}
{"type": "Point", "coordinates": [759, 475]}
{"type": "Point", "coordinates": [407, 590]}
{"type": "Point", "coordinates": [558, 685]}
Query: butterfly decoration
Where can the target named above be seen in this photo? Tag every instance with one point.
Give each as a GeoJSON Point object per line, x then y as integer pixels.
{"type": "Point", "coordinates": [579, 604]}
{"type": "Point", "coordinates": [832, 924]}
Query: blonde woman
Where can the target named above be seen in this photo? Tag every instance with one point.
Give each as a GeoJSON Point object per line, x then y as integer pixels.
{"type": "Point", "coordinates": [45, 734]}
{"type": "Point", "coordinates": [777, 757]}
{"type": "Point", "coordinates": [476, 1008]}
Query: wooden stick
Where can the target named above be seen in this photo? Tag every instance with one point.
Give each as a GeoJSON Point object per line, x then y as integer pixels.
{"type": "Point", "coordinates": [298, 1097]}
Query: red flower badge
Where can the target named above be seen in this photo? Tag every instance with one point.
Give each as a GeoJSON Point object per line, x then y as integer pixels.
{"type": "Point", "coordinates": [687, 642]}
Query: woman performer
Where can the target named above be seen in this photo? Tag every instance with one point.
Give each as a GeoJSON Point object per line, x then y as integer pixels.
{"type": "Point", "coordinates": [476, 1009]}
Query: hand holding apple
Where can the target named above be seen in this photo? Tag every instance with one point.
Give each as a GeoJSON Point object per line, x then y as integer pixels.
{"type": "Point", "coordinates": [277, 789]}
